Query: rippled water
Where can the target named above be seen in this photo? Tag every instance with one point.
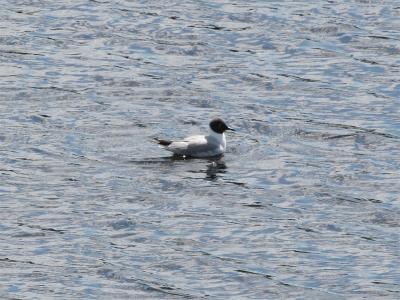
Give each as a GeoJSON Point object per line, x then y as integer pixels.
{"type": "Point", "coordinates": [305, 203]}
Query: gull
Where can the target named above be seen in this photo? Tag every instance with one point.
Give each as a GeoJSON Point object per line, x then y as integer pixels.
{"type": "Point", "coordinates": [213, 144]}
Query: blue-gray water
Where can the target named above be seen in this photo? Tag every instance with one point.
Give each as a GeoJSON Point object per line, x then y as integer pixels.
{"type": "Point", "coordinates": [305, 204]}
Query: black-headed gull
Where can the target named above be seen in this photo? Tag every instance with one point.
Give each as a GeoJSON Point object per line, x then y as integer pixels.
{"type": "Point", "coordinates": [213, 144]}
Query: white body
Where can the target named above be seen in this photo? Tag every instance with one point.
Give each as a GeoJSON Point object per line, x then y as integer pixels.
{"type": "Point", "coordinates": [200, 145]}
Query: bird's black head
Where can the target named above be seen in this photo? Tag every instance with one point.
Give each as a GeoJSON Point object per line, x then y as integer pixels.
{"type": "Point", "coordinates": [218, 125]}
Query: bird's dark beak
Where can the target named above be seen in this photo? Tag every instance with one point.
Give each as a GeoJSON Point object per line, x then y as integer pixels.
{"type": "Point", "coordinates": [231, 129]}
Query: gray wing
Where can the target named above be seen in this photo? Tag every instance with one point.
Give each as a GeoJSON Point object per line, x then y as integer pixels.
{"type": "Point", "coordinates": [195, 146]}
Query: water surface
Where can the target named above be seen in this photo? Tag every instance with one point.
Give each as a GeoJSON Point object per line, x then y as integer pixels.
{"type": "Point", "coordinates": [305, 203]}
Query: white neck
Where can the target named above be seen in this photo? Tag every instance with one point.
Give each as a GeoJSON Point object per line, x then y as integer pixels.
{"type": "Point", "coordinates": [220, 137]}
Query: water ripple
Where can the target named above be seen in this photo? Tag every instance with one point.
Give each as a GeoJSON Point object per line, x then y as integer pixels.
{"type": "Point", "coordinates": [303, 205]}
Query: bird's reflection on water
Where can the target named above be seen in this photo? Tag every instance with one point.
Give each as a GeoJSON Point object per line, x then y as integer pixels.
{"type": "Point", "coordinates": [215, 168]}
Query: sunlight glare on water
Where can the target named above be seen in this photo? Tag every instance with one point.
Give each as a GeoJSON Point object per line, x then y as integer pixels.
{"type": "Point", "coordinates": [304, 204]}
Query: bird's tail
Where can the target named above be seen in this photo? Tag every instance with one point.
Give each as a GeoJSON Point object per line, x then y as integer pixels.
{"type": "Point", "coordinates": [163, 142]}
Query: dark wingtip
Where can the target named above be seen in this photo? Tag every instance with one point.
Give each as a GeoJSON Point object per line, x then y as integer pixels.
{"type": "Point", "coordinates": [163, 142]}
